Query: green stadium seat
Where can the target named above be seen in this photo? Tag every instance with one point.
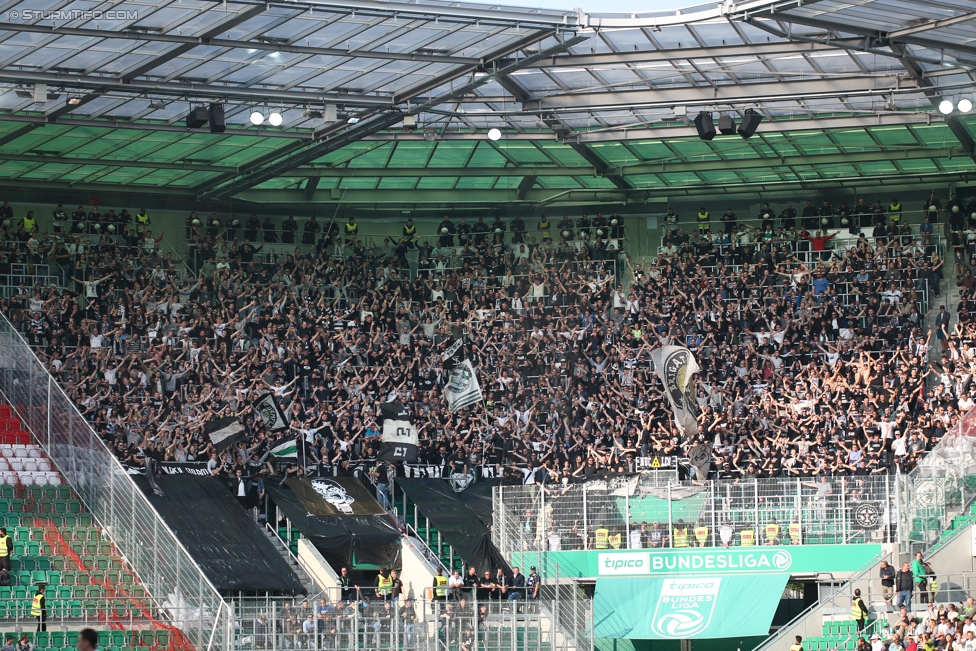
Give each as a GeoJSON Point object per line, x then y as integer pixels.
{"type": "Point", "coordinates": [19, 548]}
{"type": "Point", "coordinates": [5, 592]}
{"type": "Point", "coordinates": [56, 639]}
{"type": "Point", "coordinates": [6, 491]}
{"type": "Point", "coordinates": [162, 638]}
{"type": "Point", "coordinates": [38, 577]}
{"type": "Point", "coordinates": [64, 592]}
{"type": "Point", "coordinates": [71, 639]}
{"type": "Point", "coordinates": [41, 639]}
{"type": "Point", "coordinates": [118, 638]}
{"type": "Point", "coordinates": [18, 592]}
{"type": "Point", "coordinates": [75, 611]}
{"type": "Point", "coordinates": [23, 577]}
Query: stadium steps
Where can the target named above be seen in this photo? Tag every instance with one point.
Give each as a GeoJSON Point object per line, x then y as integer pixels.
{"type": "Point", "coordinates": [292, 546]}
{"type": "Point", "coordinates": [59, 546]}
{"type": "Point", "coordinates": [842, 635]}
{"type": "Point", "coordinates": [415, 520]}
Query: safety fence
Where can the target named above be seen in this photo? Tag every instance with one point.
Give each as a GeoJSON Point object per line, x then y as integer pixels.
{"type": "Point", "coordinates": [559, 618]}
{"type": "Point", "coordinates": [636, 513]}
{"type": "Point", "coordinates": [146, 544]}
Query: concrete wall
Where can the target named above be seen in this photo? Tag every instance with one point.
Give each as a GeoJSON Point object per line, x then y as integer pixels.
{"type": "Point", "coordinates": [317, 567]}
{"type": "Point", "coordinates": [417, 572]}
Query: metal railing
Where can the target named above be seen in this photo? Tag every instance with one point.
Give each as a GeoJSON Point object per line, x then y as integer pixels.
{"type": "Point", "coordinates": [144, 541]}
{"type": "Point", "coordinates": [560, 619]}
{"type": "Point", "coordinates": [640, 514]}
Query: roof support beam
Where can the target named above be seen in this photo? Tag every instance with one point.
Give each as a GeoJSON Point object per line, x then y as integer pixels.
{"type": "Point", "coordinates": [524, 186]}
{"type": "Point", "coordinates": [693, 54]}
{"type": "Point", "coordinates": [310, 184]}
{"type": "Point", "coordinates": [933, 24]}
{"type": "Point", "coordinates": [277, 164]}
{"type": "Point", "coordinates": [96, 162]}
{"type": "Point", "coordinates": [602, 168]}
{"type": "Point", "coordinates": [151, 37]}
{"type": "Point", "coordinates": [724, 94]}
{"type": "Point", "coordinates": [17, 133]}
{"type": "Point", "coordinates": [151, 126]}
{"type": "Point", "coordinates": [180, 50]}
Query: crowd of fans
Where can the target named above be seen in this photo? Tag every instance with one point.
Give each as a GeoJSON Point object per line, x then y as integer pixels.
{"type": "Point", "coordinates": [815, 356]}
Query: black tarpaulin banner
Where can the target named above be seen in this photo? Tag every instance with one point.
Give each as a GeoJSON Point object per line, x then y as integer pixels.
{"type": "Point", "coordinates": [399, 434]}
{"type": "Point", "coordinates": [335, 496]}
{"type": "Point", "coordinates": [463, 520]}
{"type": "Point", "coordinates": [341, 539]}
{"type": "Point", "coordinates": [221, 537]}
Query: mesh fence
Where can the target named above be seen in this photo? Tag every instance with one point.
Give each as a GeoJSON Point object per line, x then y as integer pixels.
{"type": "Point", "coordinates": [637, 513]}
{"type": "Point", "coordinates": [150, 549]}
{"type": "Point", "coordinates": [558, 620]}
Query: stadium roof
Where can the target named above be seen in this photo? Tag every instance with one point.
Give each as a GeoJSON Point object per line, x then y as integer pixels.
{"type": "Point", "coordinates": [592, 108]}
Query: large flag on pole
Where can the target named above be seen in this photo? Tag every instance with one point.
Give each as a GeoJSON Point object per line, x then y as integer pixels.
{"type": "Point", "coordinates": [224, 432]}
{"type": "Point", "coordinates": [676, 367]}
{"type": "Point", "coordinates": [399, 434]}
{"type": "Point", "coordinates": [462, 388]}
{"type": "Point", "coordinates": [271, 414]}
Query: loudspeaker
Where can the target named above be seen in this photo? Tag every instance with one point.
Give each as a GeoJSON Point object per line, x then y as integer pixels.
{"type": "Point", "coordinates": [705, 126]}
{"type": "Point", "coordinates": [216, 117]}
{"type": "Point", "coordinates": [196, 118]}
{"type": "Point", "coordinates": [726, 124]}
{"type": "Point", "coordinates": [750, 122]}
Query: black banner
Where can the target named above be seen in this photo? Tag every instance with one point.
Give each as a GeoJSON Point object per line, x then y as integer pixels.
{"type": "Point", "coordinates": [335, 496]}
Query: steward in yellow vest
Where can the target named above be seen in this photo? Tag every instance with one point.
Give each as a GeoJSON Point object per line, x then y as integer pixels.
{"type": "Point", "coordinates": [352, 230]}
{"type": "Point", "coordinates": [6, 549]}
{"type": "Point", "coordinates": [409, 233]}
{"type": "Point", "coordinates": [601, 538]}
{"type": "Point", "coordinates": [701, 535]}
{"type": "Point", "coordinates": [747, 538]}
{"type": "Point", "coordinates": [894, 211]}
{"type": "Point", "coordinates": [615, 541]}
{"type": "Point", "coordinates": [39, 609]}
{"type": "Point", "coordinates": [795, 535]}
{"type": "Point", "coordinates": [384, 584]}
{"type": "Point", "coordinates": [772, 533]}
{"type": "Point", "coordinates": [680, 534]}
{"type": "Point", "coordinates": [440, 586]}
{"type": "Point", "coordinates": [703, 225]}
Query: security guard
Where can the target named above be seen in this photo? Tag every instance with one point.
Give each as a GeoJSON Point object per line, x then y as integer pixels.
{"type": "Point", "coordinates": [352, 230]}
{"type": "Point", "coordinates": [544, 234]}
{"type": "Point", "coordinates": [772, 532]}
{"type": "Point", "coordinates": [440, 586]}
{"type": "Point", "coordinates": [409, 233]}
{"type": "Point", "coordinates": [601, 538]}
{"type": "Point", "coordinates": [701, 535]}
{"type": "Point", "coordinates": [795, 535]}
{"type": "Point", "coordinates": [142, 221]}
{"type": "Point", "coordinates": [6, 549]}
{"type": "Point", "coordinates": [680, 534]}
{"type": "Point", "coordinates": [39, 608]}
{"type": "Point", "coordinates": [29, 223]}
{"type": "Point", "coordinates": [859, 612]}
{"type": "Point", "coordinates": [384, 584]}
{"type": "Point", "coordinates": [798, 646]}
{"type": "Point", "coordinates": [747, 538]}
{"type": "Point", "coordinates": [703, 219]}
{"type": "Point", "coordinates": [894, 212]}
{"type": "Point", "coordinates": [615, 540]}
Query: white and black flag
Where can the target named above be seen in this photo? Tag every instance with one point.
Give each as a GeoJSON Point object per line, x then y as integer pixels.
{"type": "Point", "coordinates": [462, 388]}
{"type": "Point", "coordinates": [676, 367]}
{"type": "Point", "coordinates": [399, 434]}
{"type": "Point", "coordinates": [224, 432]}
{"type": "Point", "coordinates": [271, 414]}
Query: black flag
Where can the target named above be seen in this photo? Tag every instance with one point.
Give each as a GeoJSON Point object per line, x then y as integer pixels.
{"type": "Point", "coordinates": [399, 433]}
{"type": "Point", "coordinates": [271, 414]}
{"type": "Point", "coordinates": [224, 432]}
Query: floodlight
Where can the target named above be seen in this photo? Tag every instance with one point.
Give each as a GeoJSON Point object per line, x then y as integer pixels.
{"type": "Point", "coordinates": [275, 119]}
{"type": "Point", "coordinates": [494, 134]}
{"type": "Point", "coordinates": [965, 105]}
{"type": "Point", "coordinates": [257, 118]}
{"type": "Point", "coordinates": [945, 107]}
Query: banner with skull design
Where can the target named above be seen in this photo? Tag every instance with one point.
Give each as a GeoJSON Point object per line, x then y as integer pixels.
{"type": "Point", "coordinates": [335, 496]}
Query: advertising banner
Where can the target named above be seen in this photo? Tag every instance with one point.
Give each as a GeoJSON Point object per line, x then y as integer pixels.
{"type": "Point", "coordinates": [703, 607]}
{"type": "Point", "coordinates": [717, 561]}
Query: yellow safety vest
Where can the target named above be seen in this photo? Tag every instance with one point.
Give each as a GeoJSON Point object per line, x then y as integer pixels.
{"type": "Point", "coordinates": [409, 231]}
{"type": "Point", "coordinates": [857, 611]}
{"type": "Point", "coordinates": [933, 586]}
{"type": "Point", "coordinates": [3, 546]}
{"type": "Point", "coordinates": [28, 224]}
{"type": "Point", "coordinates": [36, 605]}
{"type": "Point", "coordinates": [703, 216]}
{"type": "Point", "coordinates": [681, 537]}
{"type": "Point", "coordinates": [385, 585]}
{"type": "Point", "coordinates": [795, 533]}
{"type": "Point", "coordinates": [701, 535]}
{"type": "Point", "coordinates": [615, 541]}
{"type": "Point", "coordinates": [602, 537]}
{"type": "Point", "coordinates": [441, 591]}
{"type": "Point", "coordinates": [895, 211]}
{"type": "Point", "coordinates": [796, 647]}
{"type": "Point", "coordinates": [352, 229]}
{"type": "Point", "coordinates": [772, 531]}
{"type": "Point", "coordinates": [748, 538]}
{"type": "Point", "coordinates": [143, 219]}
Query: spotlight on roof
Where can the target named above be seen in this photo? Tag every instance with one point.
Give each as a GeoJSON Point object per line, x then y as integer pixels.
{"type": "Point", "coordinates": [24, 94]}
{"type": "Point", "coordinates": [945, 107]}
{"type": "Point", "coordinates": [494, 134]}
{"type": "Point", "coordinates": [353, 120]}
{"type": "Point", "coordinates": [314, 114]}
{"type": "Point", "coordinates": [430, 135]}
{"type": "Point", "coordinates": [74, 100]}
{"type": "Point", "coordinates": [157, 104]}
{"type": "Point", "coordinates": [275, 119]}
{"type": "Point", "coordinates": [257, 118]}
{"type": "Point", "coordinates": [965, 105]}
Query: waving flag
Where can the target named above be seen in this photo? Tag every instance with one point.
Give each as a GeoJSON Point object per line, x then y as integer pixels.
{"type": "Point", "coordinates": [399, 434]}
{"type": "Point", "coordinates": [462, 388]}
{"type": "Point", "coordinates": [271, 414]}
{"type": "Point", "coordinates": [224, 432]}
{"type": "Point", "coordinates": [676, 367]}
